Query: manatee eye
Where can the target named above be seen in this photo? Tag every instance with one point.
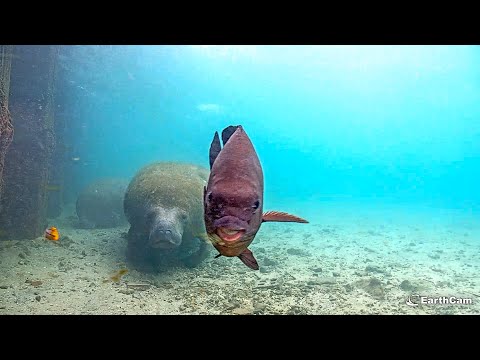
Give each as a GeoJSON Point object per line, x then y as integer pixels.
{"type": "Point", "coordinates": [256, 204]}
{"type": "Point", "coordinates": [183, 216]}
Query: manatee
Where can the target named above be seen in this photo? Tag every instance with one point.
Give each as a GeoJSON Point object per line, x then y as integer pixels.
{"type": "Point", "coordinates": [100, 204]}
{"type": "Point", "coordinates": [163, 204]}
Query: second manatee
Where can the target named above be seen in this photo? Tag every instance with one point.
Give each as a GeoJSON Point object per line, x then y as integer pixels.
{"type": "Point", "coordinates": [100, 204]}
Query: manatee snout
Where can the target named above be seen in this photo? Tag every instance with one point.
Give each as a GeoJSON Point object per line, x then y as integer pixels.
{"type": "Point", "coordinates": [166, 229]}
{"type": "Point", "coordinates": [161, 238]}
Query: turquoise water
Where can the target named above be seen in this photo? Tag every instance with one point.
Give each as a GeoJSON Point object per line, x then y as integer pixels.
{"type": "Point", "coordinates": [363, 123]}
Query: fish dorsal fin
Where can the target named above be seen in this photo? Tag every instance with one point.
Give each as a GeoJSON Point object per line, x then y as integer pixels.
{"type": "Point", "coordinates": [248, 259]}
{"type": "Point", "coordinates": [227, 132]}
{"type": "Point", "coordinates": [215, 148]}
{"type": "Point", "coordinates": [281, 217]}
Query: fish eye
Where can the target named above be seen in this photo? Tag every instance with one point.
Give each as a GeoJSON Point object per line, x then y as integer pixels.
{"type": "Point", "coordinates": [256, 204]}
{"type": "Point", "coordinates": [209, 196]}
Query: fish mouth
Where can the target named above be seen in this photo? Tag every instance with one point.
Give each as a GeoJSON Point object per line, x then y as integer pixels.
{"type": "Point", "coordinates": [229, 235]}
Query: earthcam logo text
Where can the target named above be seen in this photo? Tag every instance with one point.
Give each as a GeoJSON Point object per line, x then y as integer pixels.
{"type": "Point", "coordinates": [415, 300]}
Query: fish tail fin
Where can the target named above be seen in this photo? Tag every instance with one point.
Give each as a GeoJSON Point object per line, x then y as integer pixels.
{"type": "Point", "coordinates": [228, 132]}
{"type": "Point", "coordinates": [248, 259]}
{"type": "Point", "coordinates": [282, 217]}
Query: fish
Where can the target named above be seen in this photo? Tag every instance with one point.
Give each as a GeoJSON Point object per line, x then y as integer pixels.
{"type": "Point", "coordinates": [233, 196]}
{"type": "Point", "coordinates": [51, 233]}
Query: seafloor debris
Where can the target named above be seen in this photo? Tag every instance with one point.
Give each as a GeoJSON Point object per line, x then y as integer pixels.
{"type": "Point", "coordinates": [117, 276]}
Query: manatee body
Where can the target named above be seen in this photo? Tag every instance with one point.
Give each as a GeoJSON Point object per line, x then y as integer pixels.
{"type": "Point", "coordinates": [163, 204]}
{"type": "Point", "coordinates": [100, 204]}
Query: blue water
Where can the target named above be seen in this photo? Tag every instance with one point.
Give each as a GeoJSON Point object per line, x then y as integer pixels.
{"type": "Point", "coordinates": [356, 124]}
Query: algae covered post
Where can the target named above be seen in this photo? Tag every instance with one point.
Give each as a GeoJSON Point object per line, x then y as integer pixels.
{"type": "Point", "coordinates": [6, 127]}
{"type": "Point", "coordinates": [25, 175]}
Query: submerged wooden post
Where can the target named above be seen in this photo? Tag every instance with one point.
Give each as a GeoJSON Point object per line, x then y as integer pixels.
{"type": "Point", "coordinates": [26, 176]}
{"type": "Point", "coordinates": [6, 127]}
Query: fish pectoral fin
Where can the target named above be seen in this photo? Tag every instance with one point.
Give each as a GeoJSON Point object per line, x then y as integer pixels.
{"type": "Point", "coordinates": [282, 217]}
{"type": "Point", "coordinates": [215, 148]}
{"type": "Point", "coordinates": [248, 259]}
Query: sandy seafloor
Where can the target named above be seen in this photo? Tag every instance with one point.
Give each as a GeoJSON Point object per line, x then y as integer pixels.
{"type": "Point", "coordinates": [349, 260]}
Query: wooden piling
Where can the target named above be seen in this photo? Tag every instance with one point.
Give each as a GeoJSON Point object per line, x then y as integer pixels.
{"type": "Point", "coordinates": [23, 213]}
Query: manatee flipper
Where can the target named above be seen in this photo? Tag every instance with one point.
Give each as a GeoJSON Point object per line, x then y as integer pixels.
{"type": "Point", "coordinates": [197, 257]}
{"type": "Point", "coordinates": [215, 148]}
{"type": "Point", "coordinates": [136, 256]}
{"type": "Point", "coordinates": [248, 259]}
{"type": "Point", "coordinates": [227, 132]}
{"type": "Point", "coordinates": [282, 217]}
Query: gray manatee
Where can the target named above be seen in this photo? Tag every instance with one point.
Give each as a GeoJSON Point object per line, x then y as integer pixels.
{"type": "Point", "coordinates": [164, 206]}
{"type": "Point", "coordinates": [100, 204]}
